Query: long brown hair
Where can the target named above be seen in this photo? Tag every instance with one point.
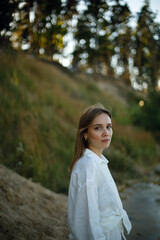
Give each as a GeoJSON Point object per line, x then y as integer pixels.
{"type": "Point", "coordinates": [86, 119]}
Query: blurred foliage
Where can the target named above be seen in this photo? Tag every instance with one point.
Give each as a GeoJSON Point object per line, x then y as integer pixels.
{"type": "Point", "coordinates": [101, 31]}
{"type": "Point", "coordinates": [147, 48]}
{"type": "Point", "coordinates": [40, 107]}
{"type": "Point", "coordinates": [148, 116]}
{"type": "Point", "coordinates": [7, 8]}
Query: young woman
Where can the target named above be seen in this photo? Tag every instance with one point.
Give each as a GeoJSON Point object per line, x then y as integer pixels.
{"type": "Point", "coordinates": [95, 210]}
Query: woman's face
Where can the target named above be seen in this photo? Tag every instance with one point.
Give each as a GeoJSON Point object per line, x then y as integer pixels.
{"type": "Point", "coordinates": [99, 133]}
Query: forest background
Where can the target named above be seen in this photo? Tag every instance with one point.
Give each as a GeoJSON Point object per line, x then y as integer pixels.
{"type": "Point", "coordinates": [41, 102]}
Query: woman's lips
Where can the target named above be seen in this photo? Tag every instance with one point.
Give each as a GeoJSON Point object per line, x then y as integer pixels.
{"type": "Point", "coordinates": [105, 140]}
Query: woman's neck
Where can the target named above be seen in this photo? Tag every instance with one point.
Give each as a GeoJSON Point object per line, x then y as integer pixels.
{"type": "Point", "coordinates": [98, 152]}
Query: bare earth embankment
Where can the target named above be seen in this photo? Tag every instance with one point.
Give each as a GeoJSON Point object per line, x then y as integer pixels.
{"type": "Point", "coordinates": [28, 211]}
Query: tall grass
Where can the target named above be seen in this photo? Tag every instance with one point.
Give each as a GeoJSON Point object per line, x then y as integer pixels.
{"type": "Point", "coordinates": [39, 112]}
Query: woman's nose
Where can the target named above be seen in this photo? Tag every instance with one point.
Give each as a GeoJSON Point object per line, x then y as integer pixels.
{"type": "Point", "coordinates": [105, 132]}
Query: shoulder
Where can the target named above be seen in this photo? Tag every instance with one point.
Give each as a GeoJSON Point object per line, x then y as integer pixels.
{"type": "Point", "coordinates": [85, 169]}
{"type": "Point", "coordinates": [85, 163]}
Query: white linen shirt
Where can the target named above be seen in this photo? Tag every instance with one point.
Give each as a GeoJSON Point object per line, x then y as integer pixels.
{"type": "Point", "coordinates": [94, 206]}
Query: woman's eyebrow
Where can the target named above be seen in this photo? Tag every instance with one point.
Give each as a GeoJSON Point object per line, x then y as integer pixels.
{"type": "Point", "coordinates": [99, 124]}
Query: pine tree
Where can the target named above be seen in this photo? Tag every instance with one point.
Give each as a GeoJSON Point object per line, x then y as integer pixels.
{"type": "Point", "coordinates": [7, 9]}
{"type": "Point", "coordinates": [45, 31]}
{"type": "Point", "coordinates": [147, 38]}
{"type": "Point", "coordinates": [121, 36]}
{"type": "Point", "coordinates": [90, 33]}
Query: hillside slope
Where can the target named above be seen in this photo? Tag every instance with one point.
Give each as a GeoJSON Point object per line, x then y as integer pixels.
{"type": "Point", "coordinates": [40, 107]}
{"type": "Point", "coordinates": [29, 211]}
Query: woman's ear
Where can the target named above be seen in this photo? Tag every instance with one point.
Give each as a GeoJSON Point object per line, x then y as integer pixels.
{"type": "Point", "coordinates": [85, 136]}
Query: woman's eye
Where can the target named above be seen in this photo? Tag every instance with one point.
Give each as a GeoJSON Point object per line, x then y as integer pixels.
{"type": "Point", "coordinates": [97, 128]}
{"type": "Point", "coordinates": [109, 127]}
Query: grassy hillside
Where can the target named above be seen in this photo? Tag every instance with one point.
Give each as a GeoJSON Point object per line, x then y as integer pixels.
{"type": "Point", "coordinates": [39, 111]}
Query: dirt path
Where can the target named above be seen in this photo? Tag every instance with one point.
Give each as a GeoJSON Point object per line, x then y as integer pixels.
{"type": "Point", "coordinates": [143, 206]}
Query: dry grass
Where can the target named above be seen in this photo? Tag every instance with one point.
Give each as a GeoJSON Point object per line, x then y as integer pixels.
{"type": "Point", "coordinates": [43, 108]}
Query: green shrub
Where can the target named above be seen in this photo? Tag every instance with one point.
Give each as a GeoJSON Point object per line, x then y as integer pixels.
{"type": "Point", "coordinates": [148, 116]}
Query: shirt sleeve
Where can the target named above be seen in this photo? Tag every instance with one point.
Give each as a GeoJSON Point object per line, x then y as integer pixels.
{"type": "Point", "coordinates": [84, 215]}
{"type": "Point", "coordinates": [87, 219]}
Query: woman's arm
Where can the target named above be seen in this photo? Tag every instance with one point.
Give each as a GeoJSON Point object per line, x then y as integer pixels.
{"type": "Point", "coordinates": [84, 217]}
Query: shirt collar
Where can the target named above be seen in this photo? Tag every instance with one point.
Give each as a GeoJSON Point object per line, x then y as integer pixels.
{"type": "Point", "coordinates": [91, 154]}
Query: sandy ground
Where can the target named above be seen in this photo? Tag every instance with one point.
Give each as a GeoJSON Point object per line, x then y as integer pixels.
{"type": "Point", "coordinates": [30, 212]}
